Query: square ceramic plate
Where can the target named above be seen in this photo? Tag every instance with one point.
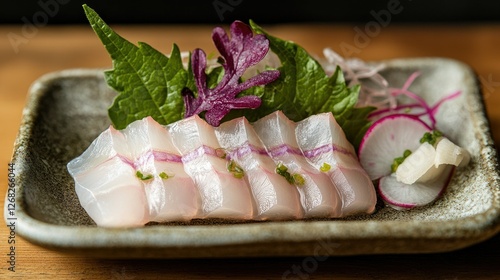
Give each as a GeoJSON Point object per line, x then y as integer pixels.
{"type": "Point", "coordinates": [67, 110]}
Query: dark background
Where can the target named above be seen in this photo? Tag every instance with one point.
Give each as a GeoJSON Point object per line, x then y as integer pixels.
{"type": "Point", "coordinates": [225, 11]}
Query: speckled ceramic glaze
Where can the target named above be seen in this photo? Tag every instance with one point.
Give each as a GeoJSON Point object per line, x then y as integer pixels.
{"type": "Point", "coordinates": [67, 110]}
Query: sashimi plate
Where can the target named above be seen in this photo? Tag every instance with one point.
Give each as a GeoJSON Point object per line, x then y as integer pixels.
{"type": "Point", "coordinates": [67, 110]}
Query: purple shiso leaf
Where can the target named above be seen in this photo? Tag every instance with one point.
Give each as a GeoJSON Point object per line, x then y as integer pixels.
{"type": "Point", "coordinates": [240, 52]}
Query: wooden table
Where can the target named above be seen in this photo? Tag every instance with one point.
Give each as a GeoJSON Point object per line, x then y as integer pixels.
{"type": "Point", "coordinates": [26, 56]}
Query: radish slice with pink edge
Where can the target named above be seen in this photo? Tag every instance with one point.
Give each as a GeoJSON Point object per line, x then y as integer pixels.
{"type": "Point", "coordinates": [387, 139]}
{"type": "Point", "coordinates": [401, 196]}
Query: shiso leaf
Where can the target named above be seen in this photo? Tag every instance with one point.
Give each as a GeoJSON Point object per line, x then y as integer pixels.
{"type": "Point", "coordinates": [304, 89]}
{"type": "Point", "coordinates": [151, 84]}
{"type": "Point", "coordinates": [148, 83]}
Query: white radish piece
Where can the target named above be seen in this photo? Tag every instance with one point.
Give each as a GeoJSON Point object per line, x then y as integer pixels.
{"type": "Point", "coordinates": [428, 162]}
{"type": "Point", "coordinates": [418, 165]}
{"type": "Point", "coordinates": [323, 143]}
{"type": "Point", "coordinates": [274, 197]}
{"type": "Point", "coordinates": [387, 139]}
{"type": "Point", "coordinates": [402, 196]}
{"type": "Point", "coordinates": [319, 197]}
{"type": "Point", "coordinates": [449, 153]}
{"type": "Point", "coordinates": [222, 194]}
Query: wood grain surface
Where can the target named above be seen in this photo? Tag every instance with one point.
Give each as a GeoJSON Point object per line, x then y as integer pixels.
{"type": "Point", "coordinates": [25, 56]}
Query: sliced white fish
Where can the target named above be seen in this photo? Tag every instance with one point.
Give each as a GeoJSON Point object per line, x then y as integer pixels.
{"type": "Point", "coordinates": [271, 170]}
{"type": "Point", "coordinates": [274, 197]}
{"type": "Point", "coordinates": [319, 197]}
{"type": "Point", "coordinates": [108, 144]}
{"type": "Point", "coordinates": [222, 194]}
{"type": "Point", "coordinates": [171, 193]}
{"type": "Point", "coordinates": [324, 144]}
{"type": "Point", "coordinates": [106, 183]}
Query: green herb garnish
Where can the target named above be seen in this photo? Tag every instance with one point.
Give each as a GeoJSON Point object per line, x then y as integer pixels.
{"type": "Point", "coordinates": [164, 175]}
{"type": "Point", "coordinates": [235, 169]}
{"type": "Point", "coordinates": [431, 137]}
{"type": "Point", "coordinates": [325, 167]}
{"type": "Point", "coordinates": [221, 152]}
{"type": "Point", "coordinates": [399, 160]}
{"type": "Point", "coordinates": [296, 178]}
{"type": "Point", "coordinates": [142, 176]}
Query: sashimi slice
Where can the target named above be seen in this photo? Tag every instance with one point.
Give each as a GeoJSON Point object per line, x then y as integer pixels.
{"type": "Point", "coordinates": [324, 144]}
{"type": "Point", "coordinates": [222, 194]}
{"type": "Point", "coordinates": [274, 197]}
{"type": "Point", "coordinates": [182, 199]}
{"type": "Point", "coordinates": [106, 184]}
{"type": "Point", "coordinates": [171, 193]}
{"type": "Point", "coordinates": [319, 197]}
{"type": "Point", "coordinates": [112, 195]}
{"type": "Point", "coordinates": [108, 144]}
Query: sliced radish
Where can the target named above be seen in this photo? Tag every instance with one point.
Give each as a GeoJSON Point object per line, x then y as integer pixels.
{"type": "Point", "coordinates": [401, 196]}
{"type": "Point", "coordinates": [387, 139]}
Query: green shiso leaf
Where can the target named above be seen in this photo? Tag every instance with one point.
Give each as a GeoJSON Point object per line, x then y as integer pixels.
{"type": "Point", "coordinates": [151, 84]}
{"type": "Point", "coordinates": [148, 83]}
{"type": "Point", "coordinates": [304, 89]}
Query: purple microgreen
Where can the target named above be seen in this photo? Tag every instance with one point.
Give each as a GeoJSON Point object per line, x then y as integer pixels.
{"type": "Point", "coordinates": [374, 87]}
{"type": "Point", "coordinates": [240, 52]}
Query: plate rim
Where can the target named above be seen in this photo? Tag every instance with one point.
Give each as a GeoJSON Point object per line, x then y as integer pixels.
{"type": "Point", "coordinates": [469, 230]}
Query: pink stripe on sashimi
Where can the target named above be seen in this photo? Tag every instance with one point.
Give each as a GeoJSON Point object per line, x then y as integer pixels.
{"type": "Point", "coordinates": [319, 197]}
{"type": "Point", "coordinates": [274, 197]}
{"type": "Point", "coordinates": [107, 170]}
{"type": "Point", "coordinates": [107, 187]}
{"type": "Point", "coordinates": [171, 193]}
{"type": "Point", "coordinates": [222, 194]}
{"type": "Point", "coordinates": [324, 143]}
